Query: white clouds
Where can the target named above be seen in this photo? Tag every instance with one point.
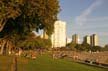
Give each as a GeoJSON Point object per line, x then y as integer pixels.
{"type": "Point", "coordinates": [86, 13]}
{"type": "Point", "coordinates": [92, 19]}
{"type": "Point", "coordinates": [99, 19]}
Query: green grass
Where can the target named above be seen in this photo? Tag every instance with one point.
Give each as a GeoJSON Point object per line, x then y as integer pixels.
{"type": "Point", "coordinates": [5, 63]}
{"type": "Point", "coordinates": [45, 63]}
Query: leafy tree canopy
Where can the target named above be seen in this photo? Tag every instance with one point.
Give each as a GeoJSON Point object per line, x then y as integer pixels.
{"type": "Point", "coordinates": [26, 15]}
{"type": "Point", "coordinates": [19, 17]}
{"type": "Point", "coordinates": [37, 43]}
{"type": "Point", "coordinates": [72, 45]}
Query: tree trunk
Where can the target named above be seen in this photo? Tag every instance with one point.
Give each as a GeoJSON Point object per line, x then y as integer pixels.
{"type": "Point", "coordinates": [6, 46]}
{"type": "Point", "coordinates": [14, 64]}
{"type": "Point", "coordinates": [9, 47]}
{"type": "Point", "coordinates": [2, 24]}
{"type": "Point", "coordinates": [3, 43]}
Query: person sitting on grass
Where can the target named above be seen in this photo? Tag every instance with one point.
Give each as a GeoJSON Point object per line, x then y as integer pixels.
{"type": "Point", "coordinates": [34, 56]}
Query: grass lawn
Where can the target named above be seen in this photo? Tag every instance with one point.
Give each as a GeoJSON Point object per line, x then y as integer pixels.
{"type": "Point", "coordinates": [5, 63]}
{"type": "Point", "coordinates": [45, 63]}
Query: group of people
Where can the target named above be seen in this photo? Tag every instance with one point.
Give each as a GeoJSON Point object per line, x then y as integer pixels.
{"type": "Point", "coordinates": [58, 54]}
{"type": "Point", "coordinates": [31, 54]}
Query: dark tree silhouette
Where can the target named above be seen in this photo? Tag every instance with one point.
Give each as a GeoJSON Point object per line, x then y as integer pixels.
{"type": "Point", "coordinates": [19, 17]}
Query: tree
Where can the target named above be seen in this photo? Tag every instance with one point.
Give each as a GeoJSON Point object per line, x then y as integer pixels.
{"type": "Point", "coordinates": [72, 45]}
{"type": "Point", "coordinates": [83, 47]}
{"type": "Point", "coordinates": [47, 43]}
{"type": "Point", "coordinates": [19, 17]}
{"type": "Point", "coordinates": [86, 46]}
{"type": "Point", "coordinates": [105, 48]}
{"type": "Point", "coordinates": [80, 47]}
{"type": "Point", "coordinates": [96, 48]}
{"type": "Point", "coordinates": [35, 43]}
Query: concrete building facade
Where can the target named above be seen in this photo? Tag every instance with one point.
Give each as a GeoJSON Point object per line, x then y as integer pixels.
{"type": "Point", "coordinates": [58, 37]}
{"type": "Point", "coordinates": [68, 40]}
{"type": "Point", "coordinates": [86, 39]}
{"type": "Point", "coordinates": [75, 38]}
{"type": "Point", "coordinates": [94, 40]}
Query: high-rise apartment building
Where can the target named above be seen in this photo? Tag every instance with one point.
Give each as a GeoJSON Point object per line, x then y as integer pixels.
{"type": "Point", "coordinates": [68, 40]}
{"type": "Point", "coordinates": [94, 40]}
{"type": "Point", "coordinates": [75, 38]}
{"type": "Point", "coordinates": [58, 37]}
{"type": "Point", "coordinates": [87, 39]}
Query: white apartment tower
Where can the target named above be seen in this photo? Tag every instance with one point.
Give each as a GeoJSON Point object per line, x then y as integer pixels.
{"type": "Point", "coordinates": [75, 38]}
{"type": "Point", "coordinates": [94, 40]}
{"type": "Point", "coordinates": [58, 37]}
{"type": "Point", "coordinates": [87, 39]}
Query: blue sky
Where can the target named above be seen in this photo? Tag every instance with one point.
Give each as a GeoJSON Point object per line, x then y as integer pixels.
{"type": "Point", "coordinates": [86, 17]}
